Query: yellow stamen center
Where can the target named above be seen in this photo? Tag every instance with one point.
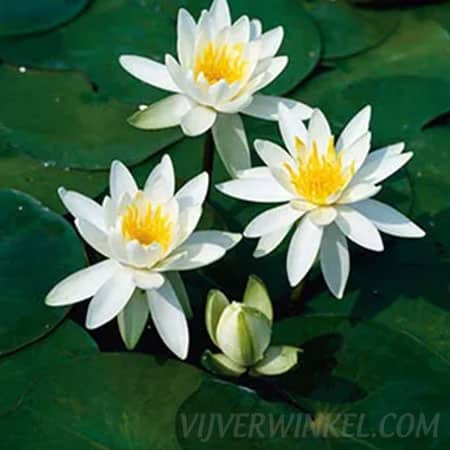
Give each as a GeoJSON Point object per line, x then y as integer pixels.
{"type": "Point", "coordinates": [146, 223]}
{"type": "Point", "coordinates": [317, 178]}
{"type": "Point", "coordinates": [221, 62]}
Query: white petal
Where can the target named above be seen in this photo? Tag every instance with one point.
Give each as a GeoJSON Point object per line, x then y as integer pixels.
{"type": "Point", "coordinates": [193, 193]}
{"type": "Point", "coordinates": [270, 242]}
{"type": "Point", "coordinates": [179, 287]}
{"type": "Point", "coordinates": [380, 165]}
{"type": "Point", "coordinates": [220, 14]}
{"type": "Point", "coordinates": [191, 256]}
{"type": "Point", "coordinates": [358, 228]}
{"type": "Point", "coordinates": [255, 29]}
{"type": "Point", "coordinates": [160, 184]}
{"type": "Point", "coordinates": [291, 127]}
{"type": "Point", "coordinates": [145, 279]}
{"type": "Point", "coordinates": [219, 92]}
{"type": "Point", "coordinates": [95, 237]}
{"type": "Point", "coordinates": [117, 245]}
{"type": "Point", "coordinates": [139, 256]}
{"type": "Point", "coordinates": [148, 71]}
{"type": "Point", "coordinates": [276, 66]}
{"type": "Point", "coordinates": [271, 41]}
{"type": "Point", "coordinates": [323, 215]}
{"type": "Point", "coordinates": [187, 222]}
{"type": "Point", "coordinates": [255, 172]}
{"type": "Point", "coordinates": [166, 113]}
{"type": "Point", "coordinates": [303, 250]}
{"type": "Point", "coordinates": [205, 28]}
{"type": "Point", "coordinates": [272, 154]}
{"type": "Point", "coordinates": [240, 31]}
{"type": "Point", "coordinates": [260, 190]}
{"type": "Point", "coordinates": [358, 192]}
{"type": "Point", "coordinates": [121, 181]}
{"type": "Point", "coordinates": [392, 149]}
{"type": "Point", "coordinates": [319, 130]}
{"type": "Point", "coordinates": [236, 105]}
{"type": "Point", "coordinates": [357, 152]}
{"type": "Point", "coordinates": [223, 239]}
{"type": "Point", "coordinates": [335, 260]}
{"type": "Point", "coordinates": [231, 143]}
{"type": "Point", "coordinates": [266, 107]}
{"type": "Point", "coordinates": [179, 75]}
{"type": "Point", "coordinates": [198, 120]}
{"type": "Point", "coordinates": [110, 299]}
{"type": "Point", "coordinates": [169, 319]}
{"type": "Point", "coordinates": [358, 126]}
{"type": "Point", "coordinates": [82, 207]}
{"type": "Point", "coordinates": [82, 284]}
{"type": "Point", "coordinates": [389, 220]}
{"type": "Point", "coordinates": [185, 37]}
{"type": "Point", "coordinates": [109, 211]}
{"type": "Point", "coordinates": [272, 220]}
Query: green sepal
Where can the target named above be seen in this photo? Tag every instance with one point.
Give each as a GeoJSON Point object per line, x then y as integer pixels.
{"type": "Point", "coordinates": [220, 364]}
{"type": "Point", "coordinates": [178, 286]}
{"type": "Point", "coordinates": [257, 297]}
{"type": "Point", "coordinates": [133, 318]}
{"type": "Point", "coordinates": [215, 305]}
{"type": "Point", "coordinates": [277, 360]}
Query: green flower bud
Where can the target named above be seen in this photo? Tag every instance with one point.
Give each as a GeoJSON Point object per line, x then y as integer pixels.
{"type": "Point", "coordinates": [243, 334]}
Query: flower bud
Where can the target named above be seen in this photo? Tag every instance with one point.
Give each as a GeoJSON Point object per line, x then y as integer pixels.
{"type": "Point", "coordinates": [243, 334]}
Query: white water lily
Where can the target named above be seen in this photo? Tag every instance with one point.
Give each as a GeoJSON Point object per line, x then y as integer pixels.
{"type": "Point", "coordinates": [220, 69]}
{"type": "Point", "coordinates": [147, 236]}
{"type": "Point", "coordinates": [326, 190]}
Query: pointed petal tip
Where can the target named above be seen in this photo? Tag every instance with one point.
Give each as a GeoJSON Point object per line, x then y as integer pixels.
{"type": "Point", "coordinates": [116, 164]}
{"type": "Point", "coordinates": [123, 59]}
{"type": "Point", "coordinates": [49, 301]}
{"type": "Point", "coordinates": [62, 192]}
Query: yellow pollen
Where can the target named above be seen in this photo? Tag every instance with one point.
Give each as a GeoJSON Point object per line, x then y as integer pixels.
{"type": "Point", "coordinates": [221, 62]}
{"type": "Point", "coordinates": [318, 177]}
{"type": "Point", "coordinates": [146, 224]}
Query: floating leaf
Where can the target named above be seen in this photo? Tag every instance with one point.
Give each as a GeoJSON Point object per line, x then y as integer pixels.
{"type": "Point", "coordinates": [385, 78]}
{"type": "Point", "coordinates": [31, 16]}
{"type": "Point", "coordinates": [21, 369]}
{"type": "Point", "coordinates": [40, 179]}
{"type": "Point", "coordinates": [37, 249]}
{"type": "Point", "coordinates": [347, 29]}
{"type": "Point", "coordinates": [58, 119]}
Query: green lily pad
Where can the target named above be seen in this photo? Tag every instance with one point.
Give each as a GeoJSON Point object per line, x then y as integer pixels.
{"type": "Point", "coordinates": [240, 419]}
{"type": "Point", "coordinates": [438, 11]}
{"type": "Point", "coordinates": [385, 77]}
{"type": "Point", "coordinates": [21, 172]}
{"type": "Point", "coordinates": [25, 16]}
{"type": "Point", "coordinates": [148, 29]}
{"type": "Point", "coordinates": [37, 249]}
{"type": "Point", "coordinates": [347, 29]}
{"type": "Point", "coordinates": [58, 119]}
{"type": "Point", "coordinates": [429, 169]}
{"type": "Point", "coordinates": [366, 368]}
{"type": "Point", "coordinates": [393, 119]}
{"type": "Point", "coordinates": [145, 403]}
{"type": "Point", "coordinates": [130, 400]}
{"type": "Point", "coordinates": [20, 370]}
